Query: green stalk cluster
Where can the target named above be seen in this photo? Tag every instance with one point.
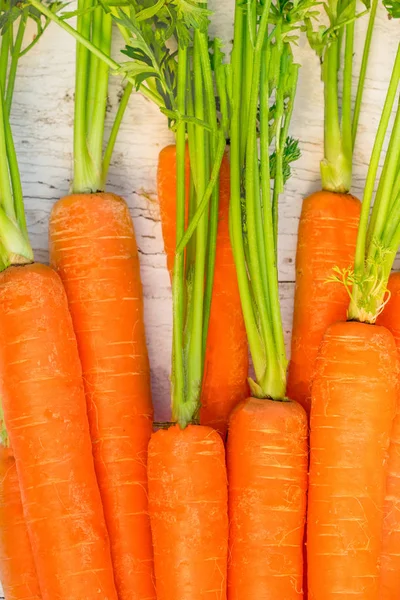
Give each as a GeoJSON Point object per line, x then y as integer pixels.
{"type": "Point", "coordinates": [194, 272]}
{"type": "Point", "coordinates": [91, 90]}
{"type": "Point", "coordinates": [379, 233]}
{"type": "Point", "coordinates": [262, 36]}
{"type": "Point", "coordinates": [14, 244]}
{"type": "Point", "coordinates": [335, 47]}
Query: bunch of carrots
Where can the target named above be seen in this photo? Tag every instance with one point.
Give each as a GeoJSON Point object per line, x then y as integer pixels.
{"type": "Point", "coordinates": [281, 483]}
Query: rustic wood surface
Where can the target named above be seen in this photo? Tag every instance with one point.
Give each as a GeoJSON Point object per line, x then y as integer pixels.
{"type": "Point", "coordinates": [42, 121]}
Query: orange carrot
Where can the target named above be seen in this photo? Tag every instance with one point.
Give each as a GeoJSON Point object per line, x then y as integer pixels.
{"type": "Point", "coordinates": [267, 467]}
{"type": "Point", "coordinates": [226, 361]}
{"type": "Point", "coordinates": [328, 224]}
{"type": "Point", "coordinates": [354, 397]}
{"type": "Point", "coordinates": [94, 250]}
{"type": "Point", "coordinates": [353, 404]}
{"type": "Point", "coordinates": [188, 512]}
{"type": "Point", "coordinates": [326, 239]}
{"type": "Point", "coordinates": [45, 415]}
{"type": "Point", "coordinates": [17, 568]}
{"type": "Point", "coordinates": [267, 437]}
{"type": "Point", "coordinates": [390, 558]}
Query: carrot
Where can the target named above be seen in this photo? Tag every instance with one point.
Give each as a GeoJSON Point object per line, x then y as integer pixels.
{"type": "Point", "coordinates": [93, 248]}
{"type": "Point", "coordinates": [17, 567]}
{"type": "Point", "coordinates": [50, 493]}
{"type": "Point", "coordinates": [354, 398]}
{"type": "Point", "coordinates": [188, 496]}
{"type": "Point", "coordinates": [328, 223]}
{"type": "Point", "coordinates": [390, 557]}
{"type": "Point", "coordinates": [45, 415]}
{"type": "Point", "coordinates": [194, 493]}
{"type": "Point", "coordinates": [267, 437]}
{"type": "Point", "coordinates": [94, 251]}
{"type": "Point", "coordinates": [225, 385]}
{"type": "Point", "coordinates": [326, 238]}
{"type": "Point", "coordinates": [266, 545]}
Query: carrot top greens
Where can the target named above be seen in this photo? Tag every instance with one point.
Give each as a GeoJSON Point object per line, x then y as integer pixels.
{"type": "Point", "coordinates": [14, 243]}
{"type": "Point", "coordinates": [181, 83]}
{"type": "Point", "coordinates": [264, 77]}
{"type": "Point", "coordinates": [379, 232]}
{"type": "Point", "coordinates": [340, 125]}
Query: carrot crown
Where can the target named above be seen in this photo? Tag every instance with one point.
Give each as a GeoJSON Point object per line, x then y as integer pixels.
{"type": "Point", "coordinates": [340, 127]}
{"type": "Point", "coordinates": [264, 83]}
{"type": "Point", "coordinates": [379, 232]}
{"type": "Point", "coordinates": [14, 243]}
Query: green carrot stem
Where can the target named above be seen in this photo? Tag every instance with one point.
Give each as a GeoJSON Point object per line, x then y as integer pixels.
{"type": "Point", "coordinates": [372, 235]}
{"type": "Point", "coordinates": [195, 349]}
{"type": "Point", "coordinates": [249, 33]}
{"type": "Point", "coordinates": [391, 171]}
{"type": "Point", "coordinates": [15, 54]}
{"type": "Point", "coordinates": [6, 195]}
{"type": "Point", "coordinates": [347, 136]}
{"type": "Point", "coordinates": [335, 168]}
{"type": "Point", "coordinates": [179, 412]}
{"type": "Point", "coordinates": [96, 129]}
{"type": "Point", "coordinates": [96, 18]}
{"type": "Point", "coordinates": [265, 168]}
{"type": "Point", "coordinates": [83, 169]}
{"type": "Point", "coordinates": [279, 144]}
{"type": "Point", "coordinates": [255, 341]}
{"type": "Point", "coordinates": [15, 247]}
{"type": "Point", "coordinates": [211, 111]}
{"type": "Point", "coordinates": [363, 70]}
{"type": "Point", "coordinates": [359, 262]}
{"type": "Point", "coordinates": [273, 266]}
{"type": "Point", "coordinates": [198, 214]}
{"type": "Point", "coordinates": [15, 180]}
{"type": "Point", "coordinates": [114, 131]}
{"type": "Point", "coordinates": [6, 39]}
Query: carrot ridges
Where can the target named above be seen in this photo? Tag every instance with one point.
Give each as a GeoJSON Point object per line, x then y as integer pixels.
{"type": "Point", "coordinates": [17, 568]}
{"type": "Point", "coordinates": [188, 511]}
{"type": "Point", "coordinates": [93, 248]}
{"type": "Point", "coordinates": [45, 416]}
{"type": "Point", "coordinates": [326, 239]}
{"type": "Point", "coordinates": [267, 469]}
{"type": "Point", "coordinates": [353, 404]}
{"type": "Point", "coordinates": [390, 558]}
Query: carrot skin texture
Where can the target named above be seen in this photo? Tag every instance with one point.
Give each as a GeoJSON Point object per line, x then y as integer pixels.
{"type": "Point", "coordinates": [188, 512]}
{"type": "Point", "coordinates": [226, 360]}
{"type": "Point", "coordinates": [327, 238]}
{"type": "Point", "coordinates": [94, 250]}
{"type": "Point", "coordinates": [354, 399]}
{"type": "Point", "coordinates": [45, 415]}
{"type": "Point", "coordinates": [390, 558]}
{"type": "Point", "coordinates": [17, 568]}
{"type": "Point", "coordinates": [267, 459]}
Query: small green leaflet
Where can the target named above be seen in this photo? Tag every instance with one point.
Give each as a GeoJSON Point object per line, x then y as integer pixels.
{"type": "Point", "coordinates": [393, 8]}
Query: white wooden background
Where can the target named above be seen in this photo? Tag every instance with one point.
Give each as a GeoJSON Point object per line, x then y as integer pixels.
{"type": "Point", "coordinates": [42, 121]}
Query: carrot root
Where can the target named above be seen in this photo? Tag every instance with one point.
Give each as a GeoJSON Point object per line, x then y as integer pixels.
{"type": "Point", "coordinates": [267, 469]}
{"type": "Point", "coordinates": [188, 512]}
